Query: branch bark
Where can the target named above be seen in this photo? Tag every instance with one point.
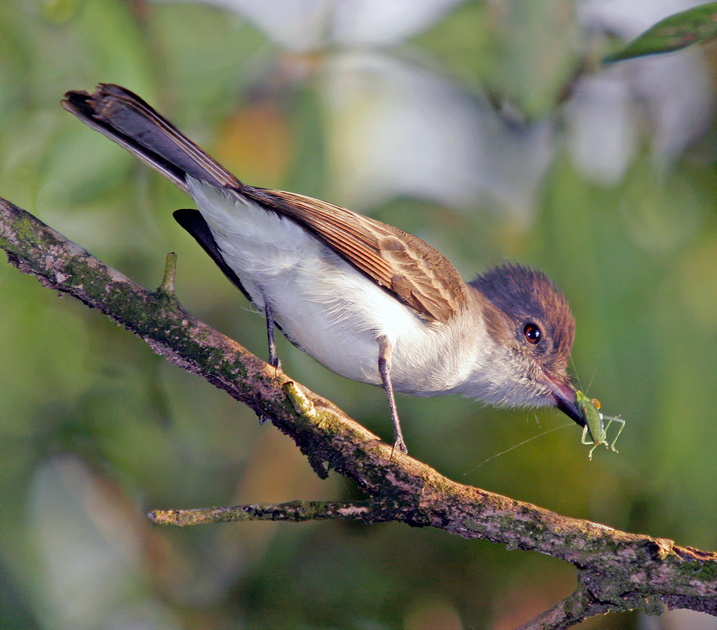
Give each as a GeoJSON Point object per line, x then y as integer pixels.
{"type": "Point", "coordinates": [617, 570]}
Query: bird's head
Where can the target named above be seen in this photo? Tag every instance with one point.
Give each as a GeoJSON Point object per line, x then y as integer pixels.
{"type": "Point", "coordinates": [530, 320]}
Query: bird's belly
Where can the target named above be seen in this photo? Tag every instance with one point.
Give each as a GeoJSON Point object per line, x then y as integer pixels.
{"type": "Point", "coordinates": [326, 306]}
{"type": "Point", "coordinates": [341, 321]}
{"type": "Point", "coordinates": [338, 316]}
{"type": "Point", "coordinates": [346, 351]}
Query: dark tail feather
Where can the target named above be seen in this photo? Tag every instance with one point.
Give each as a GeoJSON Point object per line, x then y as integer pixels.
{"type": "Point", "coordinates": [126, 119]}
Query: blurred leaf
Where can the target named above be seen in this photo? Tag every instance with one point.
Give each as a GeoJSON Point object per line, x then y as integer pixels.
{"type": "Point", "coordinates": [256, 143]}
{"type": "Point", "coordinates": [119, 53]}
{"type": "Point", "coordinates": [203, 61]}
{"type": "Point", "coordinates": [461, 42]}
{"type": "Point", "coordinates": [534, 54]}
{"type": "Point", "coordinates": [60, 10]}
{"type": "Point", "coordinates": [695, 26]}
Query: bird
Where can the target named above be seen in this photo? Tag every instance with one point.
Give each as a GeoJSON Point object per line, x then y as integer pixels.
{"type": "Point", "coordinates": [365, 299]}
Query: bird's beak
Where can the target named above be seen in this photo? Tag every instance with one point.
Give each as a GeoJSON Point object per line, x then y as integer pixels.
{"type": "Point", "coordinates": [564, 396]}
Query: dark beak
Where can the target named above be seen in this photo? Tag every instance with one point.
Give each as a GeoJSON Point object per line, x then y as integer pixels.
{"type": "Point", "coordinates": [564, 395]}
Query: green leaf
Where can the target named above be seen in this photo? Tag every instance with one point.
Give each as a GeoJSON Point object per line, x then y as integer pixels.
{"type": "Point", "coordinates": [694, 26]}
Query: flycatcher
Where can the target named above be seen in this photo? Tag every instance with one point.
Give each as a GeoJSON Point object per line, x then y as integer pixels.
{"type": "Point", "coordinates": [365, 299]}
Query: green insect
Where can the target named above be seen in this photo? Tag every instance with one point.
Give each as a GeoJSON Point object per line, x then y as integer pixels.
{"type": "Point", "coordinates": [594, 424]}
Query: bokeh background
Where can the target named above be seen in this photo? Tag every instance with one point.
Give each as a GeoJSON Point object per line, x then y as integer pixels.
{"type": "Point", "coordinates": [486, 128]}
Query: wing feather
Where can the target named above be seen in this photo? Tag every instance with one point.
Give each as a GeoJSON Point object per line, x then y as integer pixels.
{"type": "Point", "coordinates": [416, 273]}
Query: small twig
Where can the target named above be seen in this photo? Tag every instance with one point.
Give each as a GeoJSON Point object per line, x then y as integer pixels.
{"type": "Point", "coordinates": [296, 511]}
{"type": "Point", "coordinates": [170, 274]}
{"type": "Point", "coordinates": [575, 608]}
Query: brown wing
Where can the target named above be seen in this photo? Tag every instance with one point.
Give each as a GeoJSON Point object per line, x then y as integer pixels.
{"type": "Point", "coordinates": [416, 273]}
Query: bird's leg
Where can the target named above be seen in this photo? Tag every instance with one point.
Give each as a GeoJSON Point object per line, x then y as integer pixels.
{"type": "Point", "coordinates": [385, 355]}
{"type": "Point", "coordinates": [274, 360]}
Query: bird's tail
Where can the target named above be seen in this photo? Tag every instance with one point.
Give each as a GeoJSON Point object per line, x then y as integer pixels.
{"type": "Point", "coordinates": [125, 118]}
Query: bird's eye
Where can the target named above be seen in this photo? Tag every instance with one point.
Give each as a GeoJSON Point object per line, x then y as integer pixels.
{"type": "Point", "coordinates": [532, 333]}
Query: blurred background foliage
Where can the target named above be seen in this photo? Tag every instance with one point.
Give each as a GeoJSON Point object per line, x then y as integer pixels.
{"type": "Point", "coordinates": [486, 128]}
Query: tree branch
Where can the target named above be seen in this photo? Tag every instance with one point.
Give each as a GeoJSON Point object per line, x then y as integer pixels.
{"type": "Point", "coordinates": [617, 570]}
